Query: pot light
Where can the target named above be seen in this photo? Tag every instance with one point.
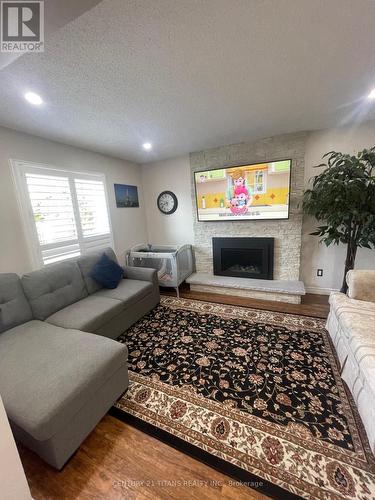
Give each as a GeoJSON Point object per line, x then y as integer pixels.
{"type": "Point", "coordinates": [33, 98]}
{"type": "Point", "coordinates": [147, 146]}
{"type": "Point", "coordinates": [371, 94]}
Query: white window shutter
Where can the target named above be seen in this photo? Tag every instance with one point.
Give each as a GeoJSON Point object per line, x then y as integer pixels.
{"type": "Point", "coordinates": [53, 215]}
{"type": "Point", "coordinates": [66, 214]}
{"type": "Point", "coordinates": [93, 213]}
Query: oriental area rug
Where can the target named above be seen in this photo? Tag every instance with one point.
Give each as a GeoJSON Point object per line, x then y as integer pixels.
{"type": "Point", "coordinates": [255, 394]}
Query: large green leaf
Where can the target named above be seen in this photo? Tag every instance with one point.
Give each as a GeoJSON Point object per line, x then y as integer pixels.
{"type": "Point", "coordinates": [343, 198]}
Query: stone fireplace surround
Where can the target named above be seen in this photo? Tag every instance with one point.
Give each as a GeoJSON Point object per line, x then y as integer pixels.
{"type": "Point", "coordinates": [286, 233]}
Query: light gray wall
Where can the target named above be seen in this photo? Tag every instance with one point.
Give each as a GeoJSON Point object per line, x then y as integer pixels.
{"type": "Point", "coordinates": [315, 255]}
{"type": "Point", "coordinates": [169, 175]}
{"type": "Point", "coordinates": [129, 224]}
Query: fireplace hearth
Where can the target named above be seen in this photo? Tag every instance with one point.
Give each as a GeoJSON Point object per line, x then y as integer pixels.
{"type": "Point", "coordinates": [243, 257]}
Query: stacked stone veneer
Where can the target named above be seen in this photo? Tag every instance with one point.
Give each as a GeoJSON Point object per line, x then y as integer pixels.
{"type": "Point", "coordinates": [287, 233]}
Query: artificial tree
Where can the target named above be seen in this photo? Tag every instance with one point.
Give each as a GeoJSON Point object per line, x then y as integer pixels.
{"type": "Point", "coordinates": [342, 197]}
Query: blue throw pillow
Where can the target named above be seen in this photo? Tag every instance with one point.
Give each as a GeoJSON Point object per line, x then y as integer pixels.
{"type": "Point", "coordinates": [107, 272]}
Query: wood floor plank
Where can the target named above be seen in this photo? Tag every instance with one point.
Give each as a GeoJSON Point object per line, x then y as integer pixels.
{"type": "Point", "coordinates": [312, 305]}
{"type": "Point", "coordinates": [117, 461]}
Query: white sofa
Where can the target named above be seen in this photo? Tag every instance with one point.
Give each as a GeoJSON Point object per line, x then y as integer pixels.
{"type": "Point", "coordinates": [351, 325]}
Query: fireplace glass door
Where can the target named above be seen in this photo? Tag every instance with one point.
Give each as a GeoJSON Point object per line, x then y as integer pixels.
{"type": "Point", "coordinates": [243, 257]}
{"type": "Point", "coordinates": [241, 260]}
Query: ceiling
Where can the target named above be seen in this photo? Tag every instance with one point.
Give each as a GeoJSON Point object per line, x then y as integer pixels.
{"type": "Point", "coordinates": [187, 75]}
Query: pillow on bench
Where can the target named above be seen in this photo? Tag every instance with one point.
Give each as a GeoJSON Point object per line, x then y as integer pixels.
{"type": "Point", "coordinates": [107, 272]}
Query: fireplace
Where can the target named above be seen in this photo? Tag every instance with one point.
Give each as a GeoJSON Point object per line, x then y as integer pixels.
{"type": "Point", "coordinates": [243, 257]}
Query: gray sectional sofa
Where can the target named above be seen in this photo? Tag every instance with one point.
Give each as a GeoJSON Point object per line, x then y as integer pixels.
{"type": "Point", "coordinates": [57, 379]}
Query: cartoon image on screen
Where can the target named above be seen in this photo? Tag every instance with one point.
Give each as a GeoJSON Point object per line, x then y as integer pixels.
{"type": "Point", "coordinates": [246, 192]}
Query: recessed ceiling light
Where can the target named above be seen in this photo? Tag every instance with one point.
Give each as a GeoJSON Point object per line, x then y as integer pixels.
{"type": "Point", "coordinates": [147, 146]}
{"type": "Point", "coordinates": [371, 94]}
{"type": "Point", "coordinates": [33, 98]}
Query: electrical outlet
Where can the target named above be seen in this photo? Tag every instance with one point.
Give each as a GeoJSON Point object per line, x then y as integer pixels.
{"type": "Point", "coordinates": [319, 272]}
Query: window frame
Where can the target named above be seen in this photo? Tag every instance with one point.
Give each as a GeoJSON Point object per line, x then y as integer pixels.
{"type": "Point", "coordinates": [255, 185]}
{"type": "Point", "coordinates": [19, 170]}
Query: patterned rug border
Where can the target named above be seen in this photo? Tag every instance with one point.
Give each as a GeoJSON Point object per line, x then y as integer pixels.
{"type": "Point", "coordinates": [247, 313]}
{"type": "Point", "coordinates": [312, 443]}
{"type": "Point", "coordinates": [221, 465]}
{"type": "Point", "coordinates": [212, 447]}
{"type": "Point", "coordinates": [232, 461]}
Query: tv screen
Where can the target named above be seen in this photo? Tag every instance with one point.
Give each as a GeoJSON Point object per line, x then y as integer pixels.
{"type": "Point", "coordinates": [248, 192]}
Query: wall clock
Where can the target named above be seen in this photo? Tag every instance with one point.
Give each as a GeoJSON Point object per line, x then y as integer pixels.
{"type": "Point", "coordinates": [167, 202]}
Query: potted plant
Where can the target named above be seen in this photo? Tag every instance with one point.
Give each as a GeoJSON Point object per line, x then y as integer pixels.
{"type": "Point", "coordinates": [342, 197]}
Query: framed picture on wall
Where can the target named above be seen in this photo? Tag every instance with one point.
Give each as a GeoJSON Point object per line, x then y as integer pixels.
{"type": "Point", "coordinates": [126, 196]}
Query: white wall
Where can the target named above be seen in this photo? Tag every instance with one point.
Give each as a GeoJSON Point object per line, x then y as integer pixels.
{"type": "Point", "coordinates": [169, 175]}
{"type": "Point", "coordinates": [315, 255]}
{"type": "Point", "coordinates": [129, 224]}
{"type": "Point", "coordinates": [12, 477]}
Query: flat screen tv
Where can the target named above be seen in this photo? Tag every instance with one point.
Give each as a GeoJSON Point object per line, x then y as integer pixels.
{"type": "Point", "coordinates": [259, 191]}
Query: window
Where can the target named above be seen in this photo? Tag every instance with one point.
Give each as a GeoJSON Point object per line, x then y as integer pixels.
{"type": "Point", "coordinates": [259, 186]}
{"type": "Point", "coordinates": [65, 213]}
{"type": "Point", "coordinates": [258, 183]}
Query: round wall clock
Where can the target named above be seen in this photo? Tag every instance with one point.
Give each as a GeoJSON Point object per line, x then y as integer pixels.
{"type": "Point", "coordinates": [167, 202]}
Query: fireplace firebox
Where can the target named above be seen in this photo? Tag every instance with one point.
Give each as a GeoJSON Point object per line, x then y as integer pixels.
{"type": "Point", "coordinates": [243, 257]}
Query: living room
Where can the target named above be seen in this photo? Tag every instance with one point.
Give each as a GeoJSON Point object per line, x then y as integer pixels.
{"type": "Point", "coordinates": [187, 266]}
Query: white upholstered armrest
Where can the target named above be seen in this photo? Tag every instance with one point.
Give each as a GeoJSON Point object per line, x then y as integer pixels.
{"type": "Point", "coordinates": [361, 285]}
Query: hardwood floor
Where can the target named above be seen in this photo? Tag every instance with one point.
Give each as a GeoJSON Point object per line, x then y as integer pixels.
{"type": "Point", "coordinates": [312, 305]}
{"type": "Point", "coordinates": [117, 461]}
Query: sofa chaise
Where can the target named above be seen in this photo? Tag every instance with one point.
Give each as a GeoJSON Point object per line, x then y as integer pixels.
{"type": "Point", "coordinates": [60, 370]}
{"type": "Point", "coordinates": [351, 325]}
